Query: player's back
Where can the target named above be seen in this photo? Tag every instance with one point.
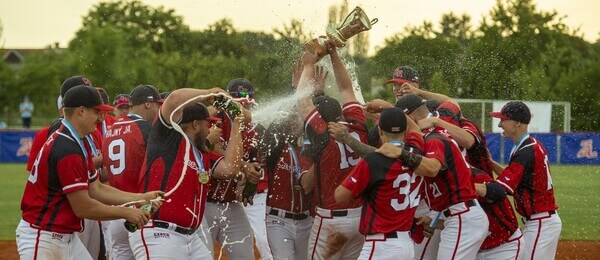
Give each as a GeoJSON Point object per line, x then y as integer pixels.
{"type": "Point", "coordinates": [391, 197]}
{"type": "Point", "coordinates": [333, 160]}
{"type": "Point", "coordinates": [124, 149]}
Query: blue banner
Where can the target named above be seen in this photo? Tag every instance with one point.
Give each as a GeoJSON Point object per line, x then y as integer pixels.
{"type": "Point", "coordinates": [15, 145]}
{"type": "Point", "coordinates": [581, 148]}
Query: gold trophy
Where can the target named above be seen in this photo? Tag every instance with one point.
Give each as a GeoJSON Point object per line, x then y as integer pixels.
{"type": "Point", "coordinates": [356, 22]}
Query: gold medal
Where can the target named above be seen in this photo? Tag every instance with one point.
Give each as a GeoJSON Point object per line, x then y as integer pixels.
{"type": "Point", "coordinates": [203, 177]}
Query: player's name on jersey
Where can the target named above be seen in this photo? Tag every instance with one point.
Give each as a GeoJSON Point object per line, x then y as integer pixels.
{"type": "Point", "coordinates": [118, 130]}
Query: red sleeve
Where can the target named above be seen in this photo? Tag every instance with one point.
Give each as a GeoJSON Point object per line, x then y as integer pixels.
{"type": "Point", "coordinates": [72, 173]}
{"type": "Point", "coordinates": [472, 130]}
{"type": "Point", "coordinates": [435, 149]}
{"type": "Point", "coordinates": [314, 121]}
{"type": "Point", "coordinates": [358, 179]}
{"type": "Point", "coordinates": [511, 176]}
{"type": "Point", "coordinates": [38, 141]}
{"type": "Point", "coordinates": [353, 111]}
{"type": "Point", "coordinates": [482, 178]}
{"type": "Point", "coordinates": [415, 140]}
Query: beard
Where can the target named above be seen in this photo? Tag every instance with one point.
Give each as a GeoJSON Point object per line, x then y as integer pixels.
{"type": "Point", "coordinates": [200, 142]}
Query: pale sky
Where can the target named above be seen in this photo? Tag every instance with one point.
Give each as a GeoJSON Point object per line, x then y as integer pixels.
{"type": "Point", "coordinates": [38, 23]}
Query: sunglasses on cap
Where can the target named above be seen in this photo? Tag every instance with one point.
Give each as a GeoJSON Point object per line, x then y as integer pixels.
{"type": "Point", "coordinates": [242, 93]}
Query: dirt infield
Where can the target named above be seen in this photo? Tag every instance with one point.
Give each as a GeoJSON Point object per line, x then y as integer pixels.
{"type": "Point", "coordinates": [566, 250]}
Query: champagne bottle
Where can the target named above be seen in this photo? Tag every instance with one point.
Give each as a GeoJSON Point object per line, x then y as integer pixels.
{"type": "Point", "coordinates": [231, 107]}
{"type": "Point", "coordinates": [133, 227]}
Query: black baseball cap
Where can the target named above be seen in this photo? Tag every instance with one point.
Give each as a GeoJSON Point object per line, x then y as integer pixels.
{"type": "Point", "coordinates": [145, 93]}
{"type": "Point", "coordinates": [404, 74]}
{"type": "Point", "coordinates": [409, 103]}
{"type": "Point", "coordinates": [329, 108]}
{"type": "Point", "coordinates": [432, 104]}
{"type": "Point", "coordinates": [86, 96]}
{"type": "Point", "coordinates": [72, 82]}
{"type": "Point", "coordinates": [164, 95]}
{"type": "Point", "coordinates": [196, 111]}
{"type": "Point", "coordinates": [103, 95]}
{"type": "Point", "coordinates": [392, 120]}
{"type": "Point", "coordinates": [514, 110]}
{"type": "Point", "coordinates": [240, 88]}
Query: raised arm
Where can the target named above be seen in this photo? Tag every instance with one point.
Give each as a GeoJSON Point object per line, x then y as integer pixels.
{"type": "Point", "coordinates": [306, 84]}
{"type": "Point", "coordinates": [179, 96]}
{"type": "Point", "coordinates": [461, 136]}
{"type": "Point", "coordinates": [342, 77]}
{"type": "Point", "coordinates": [231, 164]}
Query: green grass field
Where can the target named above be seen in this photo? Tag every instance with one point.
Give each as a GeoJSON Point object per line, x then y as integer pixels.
{"type": "Point", "coordinates": [577, 190]}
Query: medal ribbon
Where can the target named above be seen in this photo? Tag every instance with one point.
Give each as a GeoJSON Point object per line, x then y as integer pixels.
{"type": "Point", "coordinates": [295, 158]}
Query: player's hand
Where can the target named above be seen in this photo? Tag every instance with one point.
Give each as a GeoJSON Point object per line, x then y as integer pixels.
{"type": "Point", "coordinates": [338, 131]}
{"type": "Point", "coordinates": [377, 105]}
{"type": "Point", "coordinates": [245, 117]}
{"type": "Point", "coordinates": [409, 88]}
{"type": "Point", "coordinates": [247, 201]}
{"type": "Point", "coordinates": [389, 150]}
{"type": "Point", "coordinates": [320, 76]}
{"type": "Point", "coordinates": [136, 216]}
{"type": "Point", "coordinates": [252, 172]}
{"type": "Point", "coordinates": [423, 220]}
{"type": "Point", "coordinates": [427, 123]}
{"type": "Point", "coordinates": [309, 58]}
{"type": "Point", "coordinates": [296, 72]}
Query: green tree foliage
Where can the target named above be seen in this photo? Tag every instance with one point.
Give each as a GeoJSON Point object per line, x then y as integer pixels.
{"type": "Point", "coordinates": [515, 52]}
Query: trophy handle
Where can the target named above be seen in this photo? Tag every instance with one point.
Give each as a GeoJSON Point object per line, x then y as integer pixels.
{"type": "Point", "coordinates": [374, 21]}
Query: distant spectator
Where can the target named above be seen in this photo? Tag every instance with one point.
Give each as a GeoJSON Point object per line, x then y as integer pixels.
{"type": "Point", "coordinates": [26, 109]}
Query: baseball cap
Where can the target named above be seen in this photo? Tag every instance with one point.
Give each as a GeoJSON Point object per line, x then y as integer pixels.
{"type": "Point", "coordinates": [240, 88]}
{"type": "Point", "coordinates": [514, 110]}
{"type": "Point", "coordinates": [164, 95]}
{"type": "Point", "coordinates": [404, 74]}
{"type": "Point", "coordinates": [432, 104]}
{"type": "Point", "coordinates": [409, 103]}
{"type": "Point", "coordinates": [103, 95]}
{"type": "Point", "coordinates": [68, 84]}
{"type": "Point", "coordinates": [392, 120]}
{"type": "Point", "coordinates": [197, 111]}
{"type": "Point", "coordinates": [329, 108]}
{"type": "Point", "coordinates": [449, 112]}
{"type": "Point", "coordinates": [144, 93]}
{"type": "Point", "coordinates": [72, 82]}
{"type": "Point", "coordinates": [86, 96]}
{"type": "Point", "coordinates": [121, 100]}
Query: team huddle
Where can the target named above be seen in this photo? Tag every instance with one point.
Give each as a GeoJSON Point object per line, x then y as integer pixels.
{"type": "Point", "coordinates": [172, 173]}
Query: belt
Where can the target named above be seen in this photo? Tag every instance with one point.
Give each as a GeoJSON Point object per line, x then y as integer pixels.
{"type": "Point", "coordinates": [290, 215]}
{"type": "Point", "coordinates": [178, 229]}
{"type": "Point", "coordinates": [469, 204]}
{"type": "Point", "coordinates": [391, 235]}
{"type": "Point", "coordinates": [531, 217]}
{"type": "Point", "coordinates": [339, 213]}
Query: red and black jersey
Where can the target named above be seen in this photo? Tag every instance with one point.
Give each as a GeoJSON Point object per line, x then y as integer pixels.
{"type": "Point", "coordinates": [502, 218]}
{"type": "Point", "coordinates": [106, 124]}
{"type": "Point", "coordinates": [333, 160]}
{"type": "Point", "coordinates": [478, 155]}
{"type": "Point", "coordinates": [225, 190]}
{"type": "Point", "coordinates": [162, 170]}
{"type": "Point", "coordinates": [284, 187]}
{"type": "Point", "coordinates": [527, 177]}
{"type": "Point", "coordinates": [390, 193]}
{"type": "Point", "coordinates": [453, 183]}
{"type": "Point", "coordinates": [123, 149]}
{"type": "Point", "coordinates": [43, 134]}
{"type": "Point", "coordinates": [59, 168]}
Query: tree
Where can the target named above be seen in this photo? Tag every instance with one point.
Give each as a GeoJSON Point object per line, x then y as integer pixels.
{"type": "Point", "coordinates": [143, 26]}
